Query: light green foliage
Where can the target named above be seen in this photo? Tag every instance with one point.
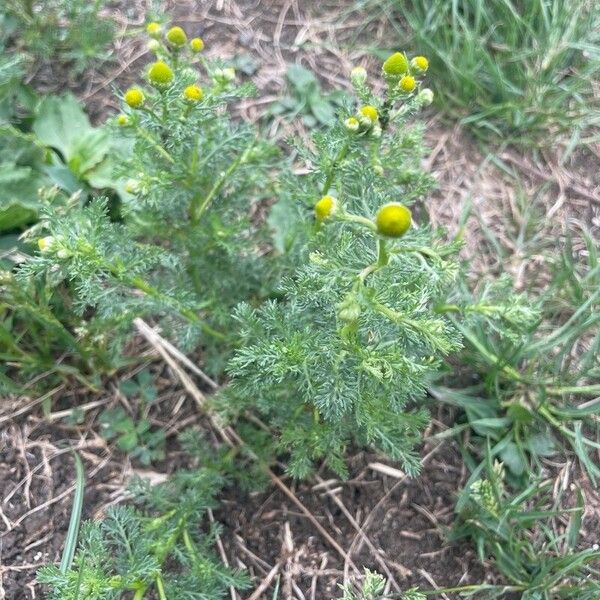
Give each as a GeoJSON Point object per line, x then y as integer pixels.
{"type": "Point", "coordinates": [523, 538]}
{"type": "Point", "coordinates": [538, 376]}
{"type": "Point", "coordinates": [345, 354]}
{"type": "Point", "coordinates": [183, 245]}
{"type": "Point", "coordinates": [518, 69]}
{"type": "Point", "coordinates": [71, 31]}
{"type": "Point", "coordinates": [157, 548]}
{"type": "Point", "coordinates": [372, 588]}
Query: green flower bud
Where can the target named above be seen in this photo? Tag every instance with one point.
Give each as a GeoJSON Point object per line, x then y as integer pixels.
{"type": "Point", "coordinates": [358, 76]}
{"type": "Point", "coordinates": [352, 124]}
{"type": "Point", "coordinates": [425, 97]}
{"type": "Point", "coordinates": [46, 244]}
{"type": "Point", "coordinates": [153, 46]}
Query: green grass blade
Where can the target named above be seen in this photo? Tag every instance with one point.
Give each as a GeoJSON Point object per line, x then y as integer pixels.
{"type": "Point", "coordinates": [73, 532]}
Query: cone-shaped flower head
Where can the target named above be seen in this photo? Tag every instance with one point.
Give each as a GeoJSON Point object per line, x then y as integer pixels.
{"type": "Point", "coordinates": [325, 207]}
{"type": "Point", "coordinates": [396, 64]}
{"type": "Point", "coordinates": [160, 74]}
{"type": "Point", "coordinates": [193, 93]}
{"type": "Point", "coordinates": [407, 84]}
{"type": "Point", "coordinates": [176, 37]}
{"type": "Point", "coordinates": [393, 219]}
{"type": "Point", "coordinates": [134, 97]}
{"type": "Point", "coordinates": [196, 44]}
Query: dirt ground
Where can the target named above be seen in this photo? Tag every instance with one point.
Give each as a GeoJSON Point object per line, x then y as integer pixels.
{"type": "Point", "coordinates": [403, 520]}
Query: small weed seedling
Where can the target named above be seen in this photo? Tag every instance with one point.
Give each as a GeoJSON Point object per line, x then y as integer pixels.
{"type": "Point", "coordinates": [157, 550]}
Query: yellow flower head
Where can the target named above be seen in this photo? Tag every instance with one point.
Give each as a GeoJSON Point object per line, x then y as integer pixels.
{"type": "Point", "coordinates": [197, 44]}
{"type": "Point", "coordinates": [122, 120]}
{"type": "Point", "coordinates": [352, 124]}
{"type": "Point", "coordinates": [193, 93]}
{"type": "Point", "coordinates": [420, 64]}
{"type": "Point", "coordinates": [153, 29]}
{"type": "Point", "coordinates": [176, 36]}
{"type": "Point", "coordinates": [396, 64]}
{"type": "Point", "coordinates": [325, 207]}
{"type": "Point", "coordinates": [134, 97]}
{"type": "Point", "coordinates": [393, 219]}
{"type": "Point", "coordinates": [160, 74]}
{"type": "Point", "coordinates": [407, 84]}
{"type": "Point", "coordinates": [370, 112]}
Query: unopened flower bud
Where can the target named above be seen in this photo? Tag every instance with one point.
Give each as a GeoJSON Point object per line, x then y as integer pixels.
{"type": "Point", "coordinates": [358, 76]}
{"type": "Point", "coordinates": [370, 112]}
{"type": "Point", "coordinates": [352, 124]}
{"type": "Point", "coordinates": [224, 76]}
{"type": "Point", "coordinates": [132, 186]}
{"type": "Point", "coordinates": [419, 64]}
{"type": "Point", "coordinates": [153, 46]}
{"type": "Point", "coordinates": [45, 244]}
{"type": "Point", "coordinates": [153, 29]}
{"type": "Point", "coordinates": [425, 97]}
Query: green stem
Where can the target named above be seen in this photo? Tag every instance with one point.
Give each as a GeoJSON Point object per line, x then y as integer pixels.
{"type": "Point", "coordinates": [143, 286]}
{"type": "Point", "coordinates": [334, 165]}
{"type": "Point", "coordinates": [144, 134]}
{"type": "Point", "coordinates": [383, 258]}
{"type": "Point", "coordinates": [198, 206]}
{"type": "Point", "coordinates": [161, 588]}
{"type": "Point", "coordinates": [357, 219]}
{"type": "Point", "coordinates": [139, 593]}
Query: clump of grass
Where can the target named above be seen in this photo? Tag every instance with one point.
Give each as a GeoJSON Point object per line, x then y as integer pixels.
{"type": "Point", "coordinates": [517, 69]}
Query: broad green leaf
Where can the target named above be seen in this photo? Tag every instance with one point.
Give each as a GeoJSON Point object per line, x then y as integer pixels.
{"type": "Point", "coordinates": [61, 124]}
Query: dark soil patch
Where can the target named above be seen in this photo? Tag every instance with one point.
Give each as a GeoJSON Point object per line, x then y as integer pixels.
{"type": "Point", "coordinates": [404, 519]}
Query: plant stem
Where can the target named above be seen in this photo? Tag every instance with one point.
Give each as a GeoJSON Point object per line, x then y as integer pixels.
{"type": "Point", "coordinates": [160, 587]}
{"type": "Point", "coordinates": [198, 206]}
{"type": "Point", "coordinates": [334, 165]}
{"type": "Point", "coordinates": [143, 133]}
